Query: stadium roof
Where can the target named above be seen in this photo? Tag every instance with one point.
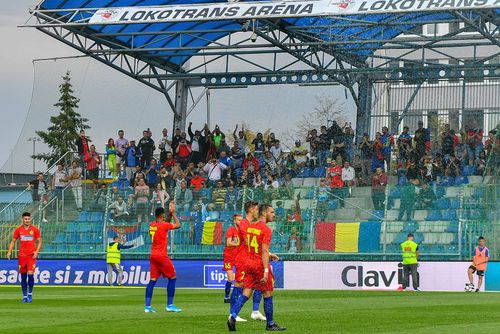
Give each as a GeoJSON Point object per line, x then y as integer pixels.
{"type": "Point", "coordinates": [345, 32]}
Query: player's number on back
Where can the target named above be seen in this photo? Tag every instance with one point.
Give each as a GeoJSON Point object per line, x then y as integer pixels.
{"type": "Point", "coordinates": [152, 234]}
{"type": "Point", "coordinates": [252, 243]}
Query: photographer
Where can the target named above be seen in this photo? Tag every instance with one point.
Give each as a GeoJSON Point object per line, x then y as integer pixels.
{"type": "Point", "coordinates": [183, 153]}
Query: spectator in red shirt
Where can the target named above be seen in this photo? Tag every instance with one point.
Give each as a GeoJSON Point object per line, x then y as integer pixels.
{"type": "Point", "coordinates": [92, 162]}
{"type": "Point", "coordinates": [334, 175]}
{"type": "Point", "coordinates": [475, 143]}
{"type": "Point", "coordinates": [183, 152]}
{"type": "Point", "coordinates": [251, 164]}
{"type": "Point", "coordinates": [169, 161]}
{"type": "Point", "coordinates": [197, 180]}
{"type": "Point", "coordinates": [379, 181]}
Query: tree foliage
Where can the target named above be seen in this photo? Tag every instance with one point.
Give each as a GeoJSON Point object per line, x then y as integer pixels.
{"type": "Point", "coordinates": [326, 110]}
{"type": "Point", "coordinates": [61, 135]}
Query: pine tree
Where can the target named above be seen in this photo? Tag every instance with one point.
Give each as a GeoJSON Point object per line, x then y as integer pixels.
{"type": "Point", "coordinates": [65, 128]}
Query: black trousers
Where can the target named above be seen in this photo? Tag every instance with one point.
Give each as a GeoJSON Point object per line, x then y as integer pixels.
{"type": "Point", "coordinates": [410, 269]}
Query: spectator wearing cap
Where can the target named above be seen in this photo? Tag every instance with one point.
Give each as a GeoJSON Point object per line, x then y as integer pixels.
{"type": "Point", "coordinates": [299, 153]}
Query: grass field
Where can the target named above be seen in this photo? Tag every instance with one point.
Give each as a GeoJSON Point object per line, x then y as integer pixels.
{"type": "Point", "coordinates": [120, 310]}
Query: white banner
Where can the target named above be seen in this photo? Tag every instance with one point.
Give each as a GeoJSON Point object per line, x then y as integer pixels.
{"type": "Point", "coordinates": [434, 276]}
{"type": "Point", "coordinates": [276, 9]}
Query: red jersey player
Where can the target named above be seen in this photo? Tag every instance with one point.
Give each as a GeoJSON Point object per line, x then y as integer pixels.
{"type": "Point", "coordinates": [257, 270]}
{"type": "Point", "coordinates": [160, 263]}
{"type": "Point", "coordinates": [28, 252]}
{"type": "Point", "coordinates": [230, 252]}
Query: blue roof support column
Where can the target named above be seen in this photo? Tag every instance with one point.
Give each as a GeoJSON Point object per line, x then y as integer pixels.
{"type": "Point", "coordinates": [364, 112]}
{"type": "Point", "coordinates": [180, 112]}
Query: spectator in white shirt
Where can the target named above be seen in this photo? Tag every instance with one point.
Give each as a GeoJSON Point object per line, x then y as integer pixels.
{"type": "Point", "coordinates": [167, 143]}
{"type": "Point", "coordinates": [277, 152]}
{"type": "Point", "coordinates": [348, 174]}
{"type": "Point", "coordinates": [214, 170]}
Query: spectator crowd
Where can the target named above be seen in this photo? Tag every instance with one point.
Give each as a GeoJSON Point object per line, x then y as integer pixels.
{"type": "Point", "coordinates": [207, 168]}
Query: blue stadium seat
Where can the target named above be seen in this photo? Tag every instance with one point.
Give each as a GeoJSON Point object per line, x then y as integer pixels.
{"type": "Point", "coordinates": [419, 237]}
{"type": "Point", "coordinates": [83, 216]}
{"type": "Point", "coordinates": [440, 191]}
{"type": "Point", "coordinates": [402, 181]}
{"type": "Point", "coordinates": [72, 227]}
{"type": "Point", "coordinates": [395, 192]}
{"type": "Point", "coordinates": [459, 180]}
{"type": "Point", "coordinates": [442, 203]}
{"type": "Point", "coordinates": [62, 248]}
{"type": "Point", "coordinates": [333, 204]}
{"type": "Point", "coordinates": [410, 226]}
{"type": "Point", "coordinates": [447, 181]}
{"type": "Point", "coordinates": [72, 238]}
{"type": "Point", "coordinates": [60, 238]}
{"type": "Point", "coordinates": [448, 214]}
{"type": "Point", "coordinates": [455, 203]}
{"type": "Point", "coordinates": [433, 215]}
{"type": "Point", "coordinates": [452, 227]}
{"type": "Point", "coordinates": [469, 170]}
{"type": "Point", "coordinates": [319, 172]}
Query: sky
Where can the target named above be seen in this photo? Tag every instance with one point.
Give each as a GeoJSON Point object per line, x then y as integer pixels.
{"type": "Point", "coordinates": [114, 101]}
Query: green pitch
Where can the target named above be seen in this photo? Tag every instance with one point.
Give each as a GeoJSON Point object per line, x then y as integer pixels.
{"type": "Point", "coordinates": [120, 310]}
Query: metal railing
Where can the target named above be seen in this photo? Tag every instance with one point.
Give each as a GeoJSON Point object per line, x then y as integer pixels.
{"type": "Point", "coordinates": [447, 226]}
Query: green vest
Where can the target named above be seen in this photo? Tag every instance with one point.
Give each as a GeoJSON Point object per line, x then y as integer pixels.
{"type": "Point", "coordinates": [113, 254]}
{"type": "Point", "coordinates": [409, 249]}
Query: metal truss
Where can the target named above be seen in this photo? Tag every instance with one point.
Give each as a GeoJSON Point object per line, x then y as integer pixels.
{"type": "Point", "coordinates": [278, 52]}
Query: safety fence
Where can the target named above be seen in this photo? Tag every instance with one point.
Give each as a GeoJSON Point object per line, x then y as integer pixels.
{"type": "Point", "coordinates": [313, 221]}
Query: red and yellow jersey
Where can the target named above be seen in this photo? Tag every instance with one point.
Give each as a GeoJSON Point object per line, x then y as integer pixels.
{"type": "Point", "coordinates": [158, 231]}
{"type": "Point", "coordinates": [257, 233]}
{"type": "Point", "coordinates": [27, 239]}
{"type": "Point", "coordinates": [480, 255]}
{"type": "Point", "coordinates": [240, 253]}
{"type": "Point", "coordinates": [233, 234]}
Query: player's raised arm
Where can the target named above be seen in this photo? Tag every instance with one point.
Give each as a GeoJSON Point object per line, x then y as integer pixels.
{"type": "Point", "coordinates": [171, 209]}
